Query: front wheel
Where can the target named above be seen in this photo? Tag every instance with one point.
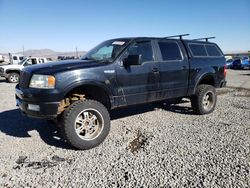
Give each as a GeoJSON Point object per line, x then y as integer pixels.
{"type": "Point", "coordinates": [85, 124]}
{"type": "Point", "coordinates": [13, 77]}
{"type": "Point", "coordinates": [204, 100]}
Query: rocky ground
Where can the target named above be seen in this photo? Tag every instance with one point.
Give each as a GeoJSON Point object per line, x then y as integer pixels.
{"type": "Point", "coordinates": [156, 145]}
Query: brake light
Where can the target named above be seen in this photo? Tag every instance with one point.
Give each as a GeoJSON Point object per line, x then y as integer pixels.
{"type": "Point", "coordinates": [225, 70]}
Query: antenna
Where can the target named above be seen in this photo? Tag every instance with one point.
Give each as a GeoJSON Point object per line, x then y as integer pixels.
{"type": "Point", "coordinates": [76, 53]}
{"type": "Point", "coordinates": [180, 36]}
{"type": "Point", "coordinates": [206, 38]}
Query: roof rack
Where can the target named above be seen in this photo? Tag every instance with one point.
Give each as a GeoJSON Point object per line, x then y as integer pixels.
{"type": "Point", "coordinates": [180, 36]}
{"type": "Point", "coordinates": [206, 38]}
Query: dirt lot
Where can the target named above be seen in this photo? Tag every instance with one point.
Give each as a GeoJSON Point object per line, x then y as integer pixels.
{"type": "Point", "coordinates": [153, 145]}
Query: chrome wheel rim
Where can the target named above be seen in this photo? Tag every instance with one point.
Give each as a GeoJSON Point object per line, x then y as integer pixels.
{"type": "Point", "coordinates": [89, 124]}
{"type": "Point", "coordinates": [14, 78]}
{"type": "Point", "coordinates": [208, 101]}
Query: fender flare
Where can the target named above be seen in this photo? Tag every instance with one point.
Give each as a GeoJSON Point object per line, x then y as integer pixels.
{"type": "Point", "coordinates": [89, 83]}
{"type": "Point", "coordinates": [201, 76]}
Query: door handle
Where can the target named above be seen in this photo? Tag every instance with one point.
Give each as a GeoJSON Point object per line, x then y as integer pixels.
{"type": "Point", "coordinates": [155, 70]}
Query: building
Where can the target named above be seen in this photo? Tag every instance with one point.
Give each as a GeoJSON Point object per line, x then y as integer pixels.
{"type": "Point", "coordinates": [235, 54]}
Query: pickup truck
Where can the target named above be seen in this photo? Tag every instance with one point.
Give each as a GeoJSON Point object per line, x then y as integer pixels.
{"type": "Point", "coordinates": [12, 72]}
{"type": "Point", "coordinates": [15, 58]}
{"type": "Point", "coordinates": [126, 71]}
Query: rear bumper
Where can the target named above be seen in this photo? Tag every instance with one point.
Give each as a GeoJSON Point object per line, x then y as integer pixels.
{"type": "Point", "coordinates": [44, 110]}
{"type": "Point", "coordinates": [245, 66]}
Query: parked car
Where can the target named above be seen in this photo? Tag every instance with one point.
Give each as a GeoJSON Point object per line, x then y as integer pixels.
{"type": "Point", "coordinates": [65, 57]}
{"type": "Point", "coordinates": [12, 72]}
{"type": "Point", "coordinates": [236, 64]}
{"type": "Point", "coordinates": [229, 63]}
{"type": "Point", "coordinates": [117, 73]}
{"type": "Point", "coordinates": [245, 64]}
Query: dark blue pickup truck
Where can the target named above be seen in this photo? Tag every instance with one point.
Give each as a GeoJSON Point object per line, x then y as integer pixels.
{"type": "Point", "coordinates": [117, 73]}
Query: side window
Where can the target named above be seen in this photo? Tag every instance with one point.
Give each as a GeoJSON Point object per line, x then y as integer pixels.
{"type": "Point", "coordinates": [212, 50]}
{"type": "Point", "coordinates": [34, 61]}
{"type": "Point", "coordinates": [142, 48]}
{"type": "Point", "coordinates": [14, 57]}
{"type": "Point", "coordinates": [41, 60]}
{"type": "Point", "coordinates": [170, 51]}
{"type": "Point", "coordinates": [198, 49]}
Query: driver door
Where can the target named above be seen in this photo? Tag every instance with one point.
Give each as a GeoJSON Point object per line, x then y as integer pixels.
{"type": "Point", "coordinates": [138, 83]}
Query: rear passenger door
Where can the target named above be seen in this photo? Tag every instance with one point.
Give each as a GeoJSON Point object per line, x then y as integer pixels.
{"type": "Point", "coordinates": [173, 67]}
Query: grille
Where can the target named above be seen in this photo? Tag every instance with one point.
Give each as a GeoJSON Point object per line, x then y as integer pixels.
{"type": "Point", "coordinates": [24, 80]}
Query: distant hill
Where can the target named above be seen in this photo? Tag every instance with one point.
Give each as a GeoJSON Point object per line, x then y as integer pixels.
{"type": "Point", "coordinates": [47, 53]}
{"type": "Point", "coordinates": [40, 52]}
{"type": "Point", "coordinates": [50, 53]}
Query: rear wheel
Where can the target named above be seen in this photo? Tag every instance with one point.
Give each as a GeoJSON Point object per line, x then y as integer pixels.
{"type": "Point", "coordinates": [85, 124]}
{"type": "Point", "coordinates": [13, 77]}
{"type": "Point", "coordinates": [204, 100]}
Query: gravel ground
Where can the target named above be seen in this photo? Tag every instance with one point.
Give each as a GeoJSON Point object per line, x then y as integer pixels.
{"type": "Point", "coordinates": [156, 145]}
{"type": "Point", "coordinates": [239, 78]}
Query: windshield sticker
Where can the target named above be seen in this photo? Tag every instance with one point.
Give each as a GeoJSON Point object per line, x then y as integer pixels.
{"type": "Point", "coordinates": [118, 43]}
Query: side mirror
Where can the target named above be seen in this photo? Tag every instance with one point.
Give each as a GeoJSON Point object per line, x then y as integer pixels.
{"type": "Point", "coordinates": [132, 60]}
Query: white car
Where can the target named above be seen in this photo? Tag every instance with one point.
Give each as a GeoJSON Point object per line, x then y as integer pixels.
{"type": "Point", "coordinates": [12, 72]}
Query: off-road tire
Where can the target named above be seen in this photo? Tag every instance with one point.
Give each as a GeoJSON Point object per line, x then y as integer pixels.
{"type": "Point", "coordinates": [198, 100]}
{"type": "Point", "coordinates": [68, 123]}
{"type": "Point", "coordinates": [13, 77]}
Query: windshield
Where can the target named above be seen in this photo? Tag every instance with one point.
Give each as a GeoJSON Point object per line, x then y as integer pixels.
{"type": "Point", "coordinates": [21, 62]}
{"type": "Point", "coordinates": [106, 51]}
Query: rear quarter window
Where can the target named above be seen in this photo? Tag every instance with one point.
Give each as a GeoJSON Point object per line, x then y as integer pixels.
{"type": "Point", "coordinates": [198, 50]}
{"type": "Point", "coordinates": [170, 51]}
{"type": "Point", "coordinates": [212, 50]}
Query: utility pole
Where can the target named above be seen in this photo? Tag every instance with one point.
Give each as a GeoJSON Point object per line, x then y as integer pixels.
{"type": "Point", "coordinates": [23, 50]}
{"type": "Point", "coordinates": [76, 53]}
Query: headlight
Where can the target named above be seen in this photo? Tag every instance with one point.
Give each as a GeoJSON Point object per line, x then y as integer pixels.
{"type": "Point", "coordinates": [42, 81]}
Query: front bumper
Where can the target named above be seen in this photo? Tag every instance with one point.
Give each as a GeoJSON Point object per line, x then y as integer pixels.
{"type": "Point", "coordinates": [47, 110]}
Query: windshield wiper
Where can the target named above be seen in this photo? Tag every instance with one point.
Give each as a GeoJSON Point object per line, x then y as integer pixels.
{"type": "Point", "coordinates": [105, 61]}
{"type": "Point", "coordinates": [88, 58]}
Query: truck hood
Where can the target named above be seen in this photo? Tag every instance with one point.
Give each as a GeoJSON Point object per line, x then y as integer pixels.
{"type": "Point", "coordinates": [61, 66]}
{"type": "Point", "coordinates": [5, 67]}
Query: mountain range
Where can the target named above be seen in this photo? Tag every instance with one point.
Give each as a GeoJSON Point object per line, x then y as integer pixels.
{"type": "Point", "coordinates": [47, 53]}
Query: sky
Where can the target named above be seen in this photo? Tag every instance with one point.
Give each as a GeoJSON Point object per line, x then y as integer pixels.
{"type": "Point", "coordinates": [64, 25]}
